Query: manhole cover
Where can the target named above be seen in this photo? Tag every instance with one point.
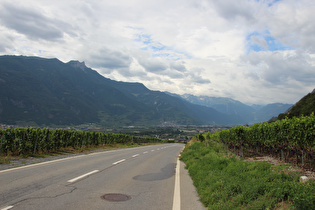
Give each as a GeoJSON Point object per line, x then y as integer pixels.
{"type": "Point", "coordinates": [115, 197]}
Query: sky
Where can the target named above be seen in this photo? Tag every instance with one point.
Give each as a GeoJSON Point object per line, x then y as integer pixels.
{"type": "Point", "coordinates": [254, 51]}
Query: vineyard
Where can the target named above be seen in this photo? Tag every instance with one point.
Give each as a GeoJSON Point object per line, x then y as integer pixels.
{"type": "Point", "coordinates": [22, 141]}
{"type": "Point", "coordinates": [291, 140]}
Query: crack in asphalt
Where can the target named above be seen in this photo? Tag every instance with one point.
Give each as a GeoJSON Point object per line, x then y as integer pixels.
{"type": "Point", "coordinates": [39, 187]}
{"type": "Point", "coordinates": [48, 197]}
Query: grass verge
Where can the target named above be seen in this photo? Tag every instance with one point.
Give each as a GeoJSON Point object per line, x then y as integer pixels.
{"type": "Point", "coordinates": [4, 160]}
{"type": "Point", "coordinates": [226, 182]}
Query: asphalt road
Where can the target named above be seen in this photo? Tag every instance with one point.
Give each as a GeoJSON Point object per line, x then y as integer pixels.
{"type": "Point", "coordinates": [136, 178]}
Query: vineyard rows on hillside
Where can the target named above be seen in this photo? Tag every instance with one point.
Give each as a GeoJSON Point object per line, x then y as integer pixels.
{"type": "Point", "coordinates": [291, 140]}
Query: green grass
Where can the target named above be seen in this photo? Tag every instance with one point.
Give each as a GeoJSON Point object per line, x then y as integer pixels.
{"type": "Point", "coordinates": [4, 160]}
{"type": "Point", "coordinates": [230, 183]}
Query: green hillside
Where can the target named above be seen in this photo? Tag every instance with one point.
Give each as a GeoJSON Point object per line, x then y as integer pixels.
{"type": "Point", "coordinates": [306, 106]}
{"type": "Point", "coordinates": [39, 91]}
{"type": "Point", "coordinates": [47, 91]}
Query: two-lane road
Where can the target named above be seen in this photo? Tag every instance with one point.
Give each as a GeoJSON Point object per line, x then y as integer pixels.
{"type": "Point", "coordinates": [142, 178]}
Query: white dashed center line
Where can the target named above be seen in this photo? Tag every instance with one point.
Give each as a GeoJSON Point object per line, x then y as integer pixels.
{"type": "Point", "coordinates": [82, 176]}
{"type": "Point", "coordinates": [7, 208]}
{"type": "Point", "coordinates": [119, 161]}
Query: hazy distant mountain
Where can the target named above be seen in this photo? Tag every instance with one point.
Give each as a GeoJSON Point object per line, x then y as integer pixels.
{"type": "Point", "coordinates": [270, 110]}
{"type": "Point", "coordinates": [42, 91]}
{"type": "Point", "coordinates": [257, 106]}
{"type": "Point", "coordinates": [250, 114]}
{"type": "Point", "coordinates": [224, 105]}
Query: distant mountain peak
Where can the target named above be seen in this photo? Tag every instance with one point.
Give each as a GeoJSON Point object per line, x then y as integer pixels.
{"type": "Point", "coordinates": [78, 64]}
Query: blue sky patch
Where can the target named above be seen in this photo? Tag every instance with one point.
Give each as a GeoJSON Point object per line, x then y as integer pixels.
{"type": "Point", "coordinates": [270, 3]}
{"type": "Point", "coordinates": [257, 41]}
{"type": "Point", "coordinates": [149, 43]}
{"type": "Point", "coordinates": [158, 49]}
{"type": "Point", "coordinates": [273, 2]}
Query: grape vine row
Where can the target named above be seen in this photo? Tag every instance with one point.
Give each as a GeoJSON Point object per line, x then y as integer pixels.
{"type": "Point", "coordinates": [19, 141]}
{"type": "Point", "coordinates": [288, 139]}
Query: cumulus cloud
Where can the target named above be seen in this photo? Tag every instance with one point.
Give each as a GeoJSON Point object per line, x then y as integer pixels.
{"type": "Point", "coordinates": [110, 59]}
{"type": "Point", "coordinates": [6, 40]}
{"type": "Point", "coordinates": [291, 23]}
{"type": "Point", "coordinates": [33, 23]}
{"type": "Point", "coordinates": [232, 10]}
{"type": "Point", "coordinates": [280, 68]}
{"type": "Point", "coordinates": [155, 65]}
{"type": "Point", "coordinates": [252, 51]}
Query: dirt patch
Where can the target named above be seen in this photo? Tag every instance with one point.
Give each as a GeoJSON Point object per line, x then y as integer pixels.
{"type": "Point", "coordinates": [291, 168]}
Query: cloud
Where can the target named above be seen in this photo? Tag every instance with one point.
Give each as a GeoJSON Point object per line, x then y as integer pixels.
{"type": "Point", "coordinates": [291, 23]}
{"type": "Point", "coordinates": [32, 23]}
{"type": "Point", "coordinates": [263, 41]}
{"type": "Point", "coordinates": [255, 51]}
{"type": "Point", "coordinates": [200, 80]}
{"type": "Point", "coordinates": [155, 65]}
{"type": "Point", "coordinates": [279, 68]}
{"type": "Point", "coordinates": [157, 49]}
{"type": "Point", "coordinates": [6, 40]}
{"type": "Point", "coordinates": [178, 65]}
{"type": "Point", "coordinates": [258, 43]}
{"type": "Point", "coordinates": [109, 59]}
{"type": "Point", "coordinates": [232, 10]}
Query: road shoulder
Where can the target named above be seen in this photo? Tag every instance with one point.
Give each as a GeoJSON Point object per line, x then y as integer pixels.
{"type": "Point", "coordinates": [189, 197]}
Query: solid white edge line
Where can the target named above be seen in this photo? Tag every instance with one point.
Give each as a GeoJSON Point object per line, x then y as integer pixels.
{"type": "Point", "coordinates": [54, 161]}
{"type": "Point", "coordinates": [135, 155]}
{"type": "Point", "coordinates": [119, 161]}
{"type": "Point", "coordinates": [38, 164]}
{"type": "Point", "coordinates": [8, 207]}
{"type": "Point", "coordinates": [176, 198]}
{"type": "Point", "coordinates": [82, 176]}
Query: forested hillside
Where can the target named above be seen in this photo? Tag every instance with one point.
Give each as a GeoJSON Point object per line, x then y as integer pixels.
{"type": "Point", "coordinates": [38, 91]}
{"type": "Point", "coordinates": [306, 106]}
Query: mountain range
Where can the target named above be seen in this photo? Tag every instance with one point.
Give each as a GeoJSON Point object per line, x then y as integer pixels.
{"type": "Point", "coordinates": [40, 91]}
{"type": "Point", "coordinates": [250, 114]}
